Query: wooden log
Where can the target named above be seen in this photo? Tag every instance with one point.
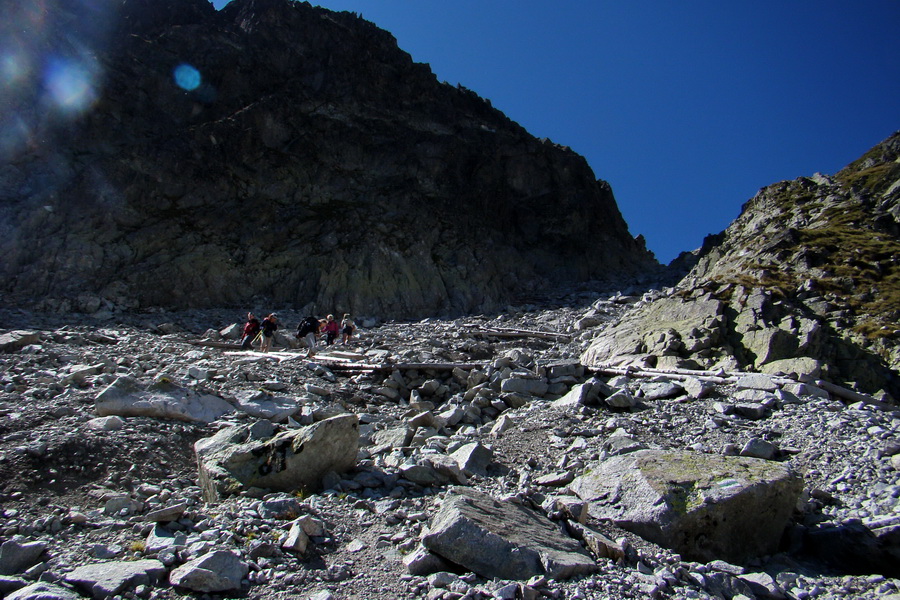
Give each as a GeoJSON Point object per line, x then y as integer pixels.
{"type": "Point", "coordinates": [521, 333]}
{"type": "Point", "coordinates": [346, 366]}
{"type": "Point", "coordinates": [370, 368]}
{"type": "Point", "coordinates": [211, 344]}
{"type": "Point", "coordinates": [682, 374]}
{"type": "Point", "coordinates": [436, 366]}
{"type": "Point", "coordinates": [842, 392]}
{"type": "Point", "coordinates": [341, 363]}
{"type": "Point", "coordinates": [632, 372]}
{"type": "Point", "coordinates": [690, 372]}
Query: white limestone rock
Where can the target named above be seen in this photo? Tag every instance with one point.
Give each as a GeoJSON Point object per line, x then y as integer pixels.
{"type": "Point", "coordinates": [125, 397]}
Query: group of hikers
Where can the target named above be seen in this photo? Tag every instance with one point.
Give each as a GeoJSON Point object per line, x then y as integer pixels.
{"type": "Point", "coordinates": [309, 330]}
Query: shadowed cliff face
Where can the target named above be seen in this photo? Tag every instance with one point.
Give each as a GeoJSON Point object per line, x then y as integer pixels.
{"type": "Point", "coordinates": [275, 152]}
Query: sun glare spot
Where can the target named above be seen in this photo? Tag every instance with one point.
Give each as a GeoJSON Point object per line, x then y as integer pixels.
{"type": "Point", "coordinates": [12, 69]}
{"type": "Point", "coordinates": [70, 84]}
{"type": "Point", "coordinates": [187, 77]}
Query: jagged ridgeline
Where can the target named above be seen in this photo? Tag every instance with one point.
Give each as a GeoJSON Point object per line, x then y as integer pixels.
{"type": "Point", "coordinates": [832, 242]}
{"type": "Point", "coordinates": [166, 154]}
{"type": "Point", "coordinates": [805, 280]}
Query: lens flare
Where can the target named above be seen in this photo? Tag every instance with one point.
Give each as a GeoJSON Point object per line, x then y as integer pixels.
{"type": "Point", "coordinates": [70, 84]}
{"type": "Point", "coordinates": [13, 69]}
{"type": "Point", "coordinates": [187, 77]}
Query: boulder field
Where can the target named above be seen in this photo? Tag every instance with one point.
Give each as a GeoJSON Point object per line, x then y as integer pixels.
{"type": "Point", "coordinates": [485, 461]}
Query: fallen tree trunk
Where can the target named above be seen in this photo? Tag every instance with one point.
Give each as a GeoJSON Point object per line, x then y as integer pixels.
{"type": "Point", "coordinates": [719, 377]}
{"type": "Point", "coordinates": [632, 372]}
{"type": "Point", "coordinates": [348, 366]}
{"type": "Point", "coordinates": [521, 333]}
{"type": "Point", "coordinates": [682, 374]}
{"type": "Point", "coordinates": [852, 396]}
{"type": "Point", "coordinates": [211, 344]}
{"type": "Point", "coordinates": [691, 372]}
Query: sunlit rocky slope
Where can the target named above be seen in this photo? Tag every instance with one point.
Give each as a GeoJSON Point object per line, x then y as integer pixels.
{"type": "Point", "coordinates": [806, 280]}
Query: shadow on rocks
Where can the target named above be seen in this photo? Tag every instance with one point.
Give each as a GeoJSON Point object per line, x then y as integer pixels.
{"type": "Point", "coordinates": [854, 549]}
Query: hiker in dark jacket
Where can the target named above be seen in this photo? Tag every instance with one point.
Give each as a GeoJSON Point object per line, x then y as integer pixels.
{"type": "Point", "coordinates": [269, 327]}
{"type": "Point", "coordinates": [251, 330]}
{"type": "Point", "coordinates": [308, 330]}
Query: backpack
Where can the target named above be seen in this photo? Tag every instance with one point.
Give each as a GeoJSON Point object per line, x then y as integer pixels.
{"type": "Point", "coordinates": [252, 327]}
{"type": "Point", "coordinates": [307, 326]}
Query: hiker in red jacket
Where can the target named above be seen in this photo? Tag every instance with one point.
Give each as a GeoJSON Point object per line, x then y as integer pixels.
{"type": "Point", "coordinates": [331, 329]}
{"type": "Point", "coordinates": [251, 330]}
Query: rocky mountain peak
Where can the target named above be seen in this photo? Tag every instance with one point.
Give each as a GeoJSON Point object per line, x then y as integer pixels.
{"type": "Point", "coordinates": [833, 237]}
{"type": "Point", "coordinates": [277, 153]}
{"type": "Point", "coordinates": [807, 272]}
{"type": "Point", "coordinates": [135, 17]}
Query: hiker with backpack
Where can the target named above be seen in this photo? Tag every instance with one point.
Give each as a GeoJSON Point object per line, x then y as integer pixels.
{"type": "Point", "coordinates": [347, 328]}
{"type": "Point", "coordinates": [307, 331]}
{"type": "Point", "coordinates": [269, 326]}
{"type": "Point", "coordinates": [251, 330]}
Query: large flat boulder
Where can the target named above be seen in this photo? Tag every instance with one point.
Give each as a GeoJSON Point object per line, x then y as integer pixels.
{"type": "Point", "coordinates": [704, 506]}
{"type": "Point", "coordinates": [291, 460]}
{"type": "Point", "coordinates": [503, 539]}
{"type": "Point", "coordinates": [16, 555]}
{"type": "Point", "coordinates": [44, 591]}
{"type": "Point", "coordinates": [126, 397]}
{"type": "Point", "coordinates": [218, 571]}
{"type": "Point", "coordinates": [106, 579]}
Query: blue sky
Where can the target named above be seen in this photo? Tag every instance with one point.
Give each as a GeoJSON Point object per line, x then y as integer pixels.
{"type": "Point", "coordinates": [686, 108]}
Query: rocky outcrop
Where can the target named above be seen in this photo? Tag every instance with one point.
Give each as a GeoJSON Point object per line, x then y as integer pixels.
{"type": "Point", "coordinates": [807, 271]}
{"type": "Point", "coordinates": [666, 327]}
{"type": "Point", "coordinates": [279, 152]}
